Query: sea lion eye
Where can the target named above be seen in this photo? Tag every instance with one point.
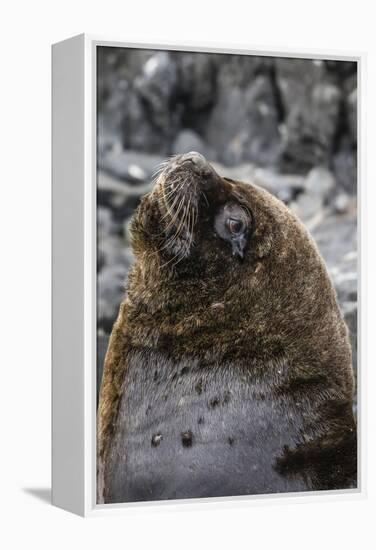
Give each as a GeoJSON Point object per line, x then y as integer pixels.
{"type": "Point", "coordinates": [234, 226]}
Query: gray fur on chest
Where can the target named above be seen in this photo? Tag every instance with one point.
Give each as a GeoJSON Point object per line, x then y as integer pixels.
{"type": "Point", "coordinates": [186, 430]}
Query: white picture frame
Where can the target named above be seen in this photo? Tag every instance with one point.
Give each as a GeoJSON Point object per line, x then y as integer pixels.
{"type": "Point", "coordinates": [74, 277]}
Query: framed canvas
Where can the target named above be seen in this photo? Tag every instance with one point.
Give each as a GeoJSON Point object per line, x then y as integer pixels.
{"type": "Point", "coordinates": [206, 240]}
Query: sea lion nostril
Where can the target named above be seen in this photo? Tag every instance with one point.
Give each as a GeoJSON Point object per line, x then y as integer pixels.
{"type": "Point", "coordinates": [196, 158]}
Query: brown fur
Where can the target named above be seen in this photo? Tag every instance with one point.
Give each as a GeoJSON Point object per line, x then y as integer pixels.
{"type": "Point", "coordinates": [276, 307]}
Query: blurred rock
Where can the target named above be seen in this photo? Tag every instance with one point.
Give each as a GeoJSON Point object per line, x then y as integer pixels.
{"type": "Point", "coordinates": [138, 130]}
{"type": "Point", "coordinates": [308, 208]}
{"type": "Point", "coordinates": [336, 238]}
{"type": "Point", "coordinates": [296, 79]}
{"type": "Point", "coordinates": [310, 130]}
{"type": "Point", "coordinates": [321, 182]}
{"type": "Point", "coordinates": [345, 170]}
{"type": "Point", "coordinates": [105, 223]}
{"type": "Point", "coordinates": [130, 166]}
{"type": "Point", "coordinates": [352, 110]}
{"type": "Point", "coordinates": [157, 88]}
{"type": "Point", "coordinates": [318, 187]}
{"type": "Point", "coordinates": [188, 140]}
{"type": "Point", "coordinates": [240, 70]}
{"type": "Point", "coordinates": [342, 203]}
{"type": "Point", "coordinates": [102, 345]}
{"type": "Point", "coordinates": [110, 285]}
{"type": "Point", "coordinates": [113, 251]}
{"type": "Point", "coordinates": [105, 228]}
{"type": "Point", "coordinates": [121, 197]}
{"type": "Point", "coordinates": [244, 124]}
{"type": "Point", "coordinates": [284, 186]}
{"type": "Point", "coordinates": [196, 80]}
{"type": "Point", "coordinates": [311, 105]}
{"type": "Point", "coordinates": [340, 70]}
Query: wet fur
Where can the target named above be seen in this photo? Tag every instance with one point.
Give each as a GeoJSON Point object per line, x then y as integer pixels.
{"type": "Point", "coordinates": [269, 326]}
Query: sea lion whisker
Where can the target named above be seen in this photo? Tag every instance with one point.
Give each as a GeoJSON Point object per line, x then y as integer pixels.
{"type": "Point", "coordinates": [185, 249]}
{"type": "Point", "coordinates": [157, 172]}
{"type": "Point", "coordinates": [182, 222]}
{"type": "Point", "coordinates": [160, 168]}
{"type": "Point", "coordinates": [175, 215]}
{"type": "Point", "coordinates": [170, 208]}
{"type": "Point", "coordinates": [182, 256]}
{"type": "Point", "coordinates": [180, 183]}
{"type": "Point", "coordinates": [205, 197]}
{"type": "Point", "coordinates": [194, 219]}
{"type": "Point", "coordinates": [170, 241]}
{"type": "Point", "coordinates": [171, 259]}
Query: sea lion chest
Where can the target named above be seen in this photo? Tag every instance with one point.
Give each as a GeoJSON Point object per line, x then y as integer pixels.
{"type": "Point", "coordinates": [187, 429]}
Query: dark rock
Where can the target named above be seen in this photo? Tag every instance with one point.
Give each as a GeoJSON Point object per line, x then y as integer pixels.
{"type": "Point", "coordinates": [156, 440]}
{"type": "Point", "coordinates": [138, 131]}
{"type": "Point", "coordinates": [157, 89]}
{"type": "Point", "coordinates": [196, 80]}
{"type": "Point", "coordinates": [111, 117]}
{"type": "Point", "coordinates": [340, 70]}
{"type": "Point", "coordinates": [296, 79]}
{"type": "Point", "coordinates": [122, 119]}
{"type": "Point", "coordinates": [311, 128]}
{"type": "Point", "coordinates": [311, 106]}
{"type": "Point", "coordinates": [119, 196]}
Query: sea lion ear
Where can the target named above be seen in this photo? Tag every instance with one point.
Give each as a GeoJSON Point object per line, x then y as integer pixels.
{"type": "Point", "coordinates": [238, 245]}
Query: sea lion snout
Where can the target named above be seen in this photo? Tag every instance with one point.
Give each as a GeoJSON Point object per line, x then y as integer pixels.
{"type": "Point", "coordinates": [198, 161]}
{"type": "Point", "coordinates": [190, 165]}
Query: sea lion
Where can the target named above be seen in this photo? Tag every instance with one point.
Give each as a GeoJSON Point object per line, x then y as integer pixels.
{"type": "Point", "coordinates": [228, 370]}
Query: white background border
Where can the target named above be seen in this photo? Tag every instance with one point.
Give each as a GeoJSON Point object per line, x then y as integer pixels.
{"type": "Point", "coordinates": [28, 30]}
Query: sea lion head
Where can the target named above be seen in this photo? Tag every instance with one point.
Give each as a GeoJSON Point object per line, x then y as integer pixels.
{"type": "Point", "coordinates": [196, 223]}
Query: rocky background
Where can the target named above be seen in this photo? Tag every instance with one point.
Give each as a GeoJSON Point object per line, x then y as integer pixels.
{"type": "Point", "coordinates": [287, 124]}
